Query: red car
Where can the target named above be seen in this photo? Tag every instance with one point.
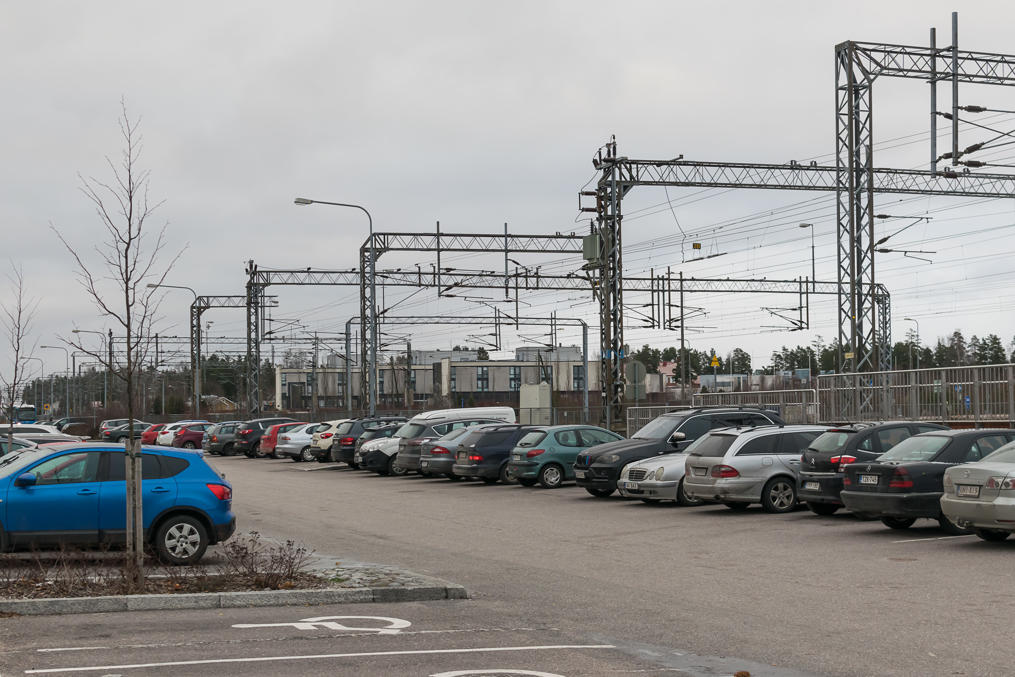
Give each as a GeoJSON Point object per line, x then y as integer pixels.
{"type": "Point", "coordinates": [149, 435]}
{"type": "Point", "coordinates": [190, 436]}
{"type": "Point", "coordinates": [269, 439]}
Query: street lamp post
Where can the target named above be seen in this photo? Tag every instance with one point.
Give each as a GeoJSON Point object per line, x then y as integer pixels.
{"type": "Point", "coordinates": [109, 367]}
{"type": "Point", "coordinates": [195, 343]}
{"type": "Point", "coordinates": [813, 274]}
{"type": "Point", "coordinates": [66, 365]}
{"type": "Point", "coordinates": [373, 297]}
{"type": "Point", "coordinates": [917, 323]}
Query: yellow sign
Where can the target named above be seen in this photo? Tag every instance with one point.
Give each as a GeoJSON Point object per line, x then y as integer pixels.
{"type": "Point", "coordinates": [848, 356]}
{"type": "Point", "coordinates": [45, 407]}
{"type": "Point", "coordinates": [715, 361]}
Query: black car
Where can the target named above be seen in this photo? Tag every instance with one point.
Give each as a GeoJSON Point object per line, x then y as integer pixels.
{"type": "Point", "coordinates": [343, 441]}
{"type": "Point", "coordinates": [485, 451]}
{"type": "Point", "coordinates": [597, 469]}
{"type": "Point", "coordinates": [907, 481]}
{"type": "Point", "coordinates": [248, 433]}
{"type": "Point", "coordinates": [825, 460]}
{"type": "Point", "coordinates": [123, 432]}
{"type": "Point", "coordinates": [219, 438]}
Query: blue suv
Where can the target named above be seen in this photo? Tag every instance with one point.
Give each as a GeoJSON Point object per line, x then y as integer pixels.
{"type": "Point", "coordinates": [76, 494]}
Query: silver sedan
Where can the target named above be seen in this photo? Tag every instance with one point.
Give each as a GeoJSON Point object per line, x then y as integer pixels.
{"type": "Point", "coordinates": [296, 442]}
{"type": "Point", "coordinates": [981, 496]}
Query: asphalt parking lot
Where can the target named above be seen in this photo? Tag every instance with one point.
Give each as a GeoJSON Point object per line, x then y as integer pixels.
{"type": "Point", "coordinates": [627, 587]}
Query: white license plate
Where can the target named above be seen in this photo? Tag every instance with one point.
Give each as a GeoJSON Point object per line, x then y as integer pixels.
{"type": "Point", "coordinates": [424, 464]}
{"type": "Point", "coordinates": [869, 479]}
{"type": "Point", "coordinates": [580, 474]}
{"type": "Point", "coordinates": [970, 490]}
{"type": "Point", "coordinates": [629, 485]}
{"type": "Point", "coordinates": [699, 472]}
{"type": "Point", "coordinates": [516, 457]}
{"type": "Point", "coordinates": [812, 486]}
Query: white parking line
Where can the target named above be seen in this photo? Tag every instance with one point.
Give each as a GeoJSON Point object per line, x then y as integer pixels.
{"type": "Point", "coordinates": [932, 538]}
{"type": "Point", "coordinates": [73, 648]}
{"type": "Point", "coordinates": [264, 659]}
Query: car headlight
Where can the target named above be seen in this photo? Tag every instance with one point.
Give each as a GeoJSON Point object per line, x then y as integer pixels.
{"type": "Point", "coordinates": [609, 458]}
{"type": "Point", "coordinates": [623, 473]}
{"type": "Point", "coordinates": [659, 473]}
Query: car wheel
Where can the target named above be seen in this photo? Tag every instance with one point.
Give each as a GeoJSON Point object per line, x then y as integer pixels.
{"type": "Point", "coordinates": [453, 477]}
{"type": "Point", "coordinates": [181, 540]}
{"type": "Point", "coordinates": [551, 476]}
{"type": "Point", "coordinates": [599, 493]}
{"type": "Point", "coordinates": [189, 445]}
{"type": "Point", "coordinates": [822, 508]}
{"type": "Point", "coordinates": [898, 522]}
{"type": "Point", "coordinates": [228, 450]}
{"type": "Point", "coordinates": [779, 495]}
{"type": "Point", "coordinates": [505, 476]}
{"type": "Point", "coordinates": [527, 481]}
{"type": "Point", "coordinates": [992, 535]}
{"type": "Point", "coordinates": [322, 458]}
{"type": "Point", "coordinates": [249, 453]}
{"type": "Point", "coordinates": [950, 527]}
{"type": "Point", "coordinates": [737, 506]}
{"type": "Point", "coordinates": [396, 470]}
{"type": "Point", "coordinates": [683, 498]}
{"type": "Point", "coordinates": [306, 454]}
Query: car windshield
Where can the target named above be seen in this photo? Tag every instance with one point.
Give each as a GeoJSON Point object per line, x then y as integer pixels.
{"type": "Point", "coordinates": [711, 445]}
{"type": "Point", "coordinates": [832, 440]}
{"type": "Point", "coordinates": [13, 463]}
{"type": "Point", "coordinates": [917, 448]}
{"type": "Point", "coordinates": [658, 429]}
{"type": "Point", "coordinates": [410, 430]}
{"type": "Point", "coordinates": [343, 428]}
{"type": "Point", "coordinates": [1005, 454]}
{"type": "Point", "coordinates": [531, 439]}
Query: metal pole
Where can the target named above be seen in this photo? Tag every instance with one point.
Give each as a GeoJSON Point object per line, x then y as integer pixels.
{"type": "Point", "coordinates": [585, 372]}
{"type": "Point", "coordinates": [933, 101]}
{"type": "Point", "coordinates": [313, 383]}
{"type": "Point", "coordinates": [110, 362]}
{"type": "Point", "coordinates": [348, 366]}
{"type": "Point", "coordinates": [955, 88]}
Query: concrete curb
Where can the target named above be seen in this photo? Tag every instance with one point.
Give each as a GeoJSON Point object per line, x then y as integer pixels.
{"type": "Point", "coordinates": [231, 600]}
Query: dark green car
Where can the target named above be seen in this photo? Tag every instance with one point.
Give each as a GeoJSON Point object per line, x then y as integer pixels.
{"type": "Point", "coordinates": [547, 455]}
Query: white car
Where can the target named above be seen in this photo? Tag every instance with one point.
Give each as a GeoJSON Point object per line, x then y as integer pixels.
{"type": "Point", "coordinates": [324, 433]}
{"type": "Point", "coordinates": [388, 446]}
{"type": "Point", "coordinates": [165, 436]}
{"type": "Point", "coordinates": [659, 478]}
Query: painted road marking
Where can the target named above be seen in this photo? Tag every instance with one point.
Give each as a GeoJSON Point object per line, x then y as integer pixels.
{"type": "Point", "coordinates": [463, 673]}
{"type": "Point", "coordinates": [73, 648]}
{"type": "Point", "coordinates": [365, 654]}
{"type": "Point", "coordinates": [394, 625]}
{"type": "Point", "coordinates": [932, 538]}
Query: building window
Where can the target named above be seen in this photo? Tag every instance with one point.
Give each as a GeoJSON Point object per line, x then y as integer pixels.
{"type": "Point", "coordinates": [380, 382]}
{"type": "Point", "coordinates": [514, 378]}
{"type": "Point", "coordinates": [482, 379]}
{"type": "Point", "coordinates": [412, 380]}
{"type": "Point", "coordinates": [454, 379]}
{"type": "Point", "coordinates": [578, 377]}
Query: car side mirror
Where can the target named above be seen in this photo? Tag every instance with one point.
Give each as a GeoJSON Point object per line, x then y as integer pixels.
{"type": "Point", "coordinates": [677, 437]}
{"type": "Point", "coordinates": [26, 479]}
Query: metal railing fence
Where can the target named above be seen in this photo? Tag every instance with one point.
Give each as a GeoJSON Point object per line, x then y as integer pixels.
{"type": "Point", "coordinates": [795, 406]}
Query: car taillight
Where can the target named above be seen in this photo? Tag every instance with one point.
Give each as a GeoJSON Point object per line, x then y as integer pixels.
{"type": "Point", "coordinates": [1001, 483]}
{"type": "Point", "coordinates": [179, 432]}
{"type": "Point", "coordinates": [846, 481]}
{"type": "Point", "coordinates": [284, 438]}
{"type": "Point", "coordinates": [900, 480]}
{"type": "Point", "coordinates": [247, 431]}
{"type": "Point", "coordinates": [438, 451]}
{"type": "Point", "coordinates": [214, 438]}
{"type": "Point", "coordinates": [534, 452]}
{"type": "Point", "coordinates": [325, 436]}
{"type": "Point", "coordinates": [347, 440]}
{"type": "Point", "coordinates": [475, 457]}
{"type": "Point", "coordinates": [724, 471]}
{"type": "Point", "coordinates": [845, 459]}
{"type": "Point", "coordinates": [221, 491]}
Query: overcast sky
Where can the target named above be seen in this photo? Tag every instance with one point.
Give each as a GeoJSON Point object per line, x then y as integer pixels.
{"type": "Point", "coordinates": [477, 114]}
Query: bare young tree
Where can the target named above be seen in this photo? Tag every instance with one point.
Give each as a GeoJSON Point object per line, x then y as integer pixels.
{"type": "Point", "coordinates": [17, 316]}
{"type": "Point", "coordinates": [129, 258]}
